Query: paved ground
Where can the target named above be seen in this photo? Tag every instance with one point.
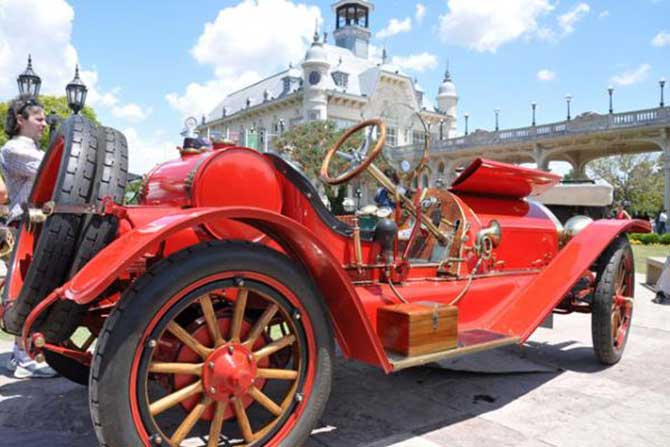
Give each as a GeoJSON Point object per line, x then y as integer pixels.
{"type": "Point", "coordinates": [576, 403]}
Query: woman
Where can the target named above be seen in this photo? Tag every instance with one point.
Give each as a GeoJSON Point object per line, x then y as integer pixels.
{"type": "Point", "coordinates": [20, 160]}
{"type": "Point", "coordinates": [621, 213]}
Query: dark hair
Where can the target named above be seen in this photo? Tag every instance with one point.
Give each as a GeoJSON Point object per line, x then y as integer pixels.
{"type": "Point", "coordinates": [24, 105]}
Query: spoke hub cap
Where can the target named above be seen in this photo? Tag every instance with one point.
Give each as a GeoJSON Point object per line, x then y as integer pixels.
{"type": "Point", "coordinates": [229, 372]}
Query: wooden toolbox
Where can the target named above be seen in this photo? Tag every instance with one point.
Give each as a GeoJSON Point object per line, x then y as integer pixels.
{"type": "Point", "coordinates": [418, 328]}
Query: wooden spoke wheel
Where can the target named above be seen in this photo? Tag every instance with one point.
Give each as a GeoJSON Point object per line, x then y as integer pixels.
{"type": "Point", "coordinates": [238, 352]}
{"type": "Point", "coordinates": [613, 302]}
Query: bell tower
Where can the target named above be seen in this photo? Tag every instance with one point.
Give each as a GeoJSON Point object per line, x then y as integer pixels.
{"type": "Point", "coordinates": [352, 26]}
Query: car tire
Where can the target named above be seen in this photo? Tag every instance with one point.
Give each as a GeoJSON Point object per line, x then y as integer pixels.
{"type": "Point", "coordinates": [612, 306]}
{"type": "Point", "coordinates": [125, 353]}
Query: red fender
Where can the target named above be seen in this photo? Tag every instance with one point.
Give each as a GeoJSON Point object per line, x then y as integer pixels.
{"type": "Point", "coordinates": [354, 333]}
{"type": "Point", "coordinates": [523, 311]}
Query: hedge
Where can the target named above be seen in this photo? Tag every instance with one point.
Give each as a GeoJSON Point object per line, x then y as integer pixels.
{"type": "Point", "coordinates": [650, 238]}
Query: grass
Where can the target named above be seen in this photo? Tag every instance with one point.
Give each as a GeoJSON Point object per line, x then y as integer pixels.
{"type": "Point", "coordinates": [642, 252]}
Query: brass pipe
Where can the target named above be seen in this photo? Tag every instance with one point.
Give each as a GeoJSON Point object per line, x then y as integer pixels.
{"type": "Point", "coordinates": [358, 251]}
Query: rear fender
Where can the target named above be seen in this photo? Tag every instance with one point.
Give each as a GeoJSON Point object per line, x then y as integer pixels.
{"type": "Point", "coordinates": [354, 332]}
{"type": "Point", "coordinates": [523, 311]}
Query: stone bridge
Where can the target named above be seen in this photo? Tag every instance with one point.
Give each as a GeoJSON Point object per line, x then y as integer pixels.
{"type": "Point", "coordinates": [578, 141]}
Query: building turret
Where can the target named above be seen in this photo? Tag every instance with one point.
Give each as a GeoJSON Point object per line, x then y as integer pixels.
{"type": "Point", "coordinates": [447, 101]}
{"type": "Point", "coordinates": [352, 26]}
{"type": "Point", "coordinates": [316, 70]}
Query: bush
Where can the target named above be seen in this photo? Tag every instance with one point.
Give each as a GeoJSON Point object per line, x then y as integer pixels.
{"type": "Point", "coordinates": [650, 238]}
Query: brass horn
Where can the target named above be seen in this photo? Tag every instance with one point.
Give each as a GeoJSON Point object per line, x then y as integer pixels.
{"type": "Point", "coordinates": [488, 238]}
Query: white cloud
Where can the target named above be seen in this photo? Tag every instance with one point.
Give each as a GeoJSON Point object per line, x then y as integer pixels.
{"type": "Point", "coordinates": [631, 77]}
{"type": "Point", "coordinates": [568, 20]}
{"type": "Point", "coordinates": [415, 62]}
{"type": "Point", "coordinates": [394, 27]}
{"type": "Point", "coordinates": [242, 38]}
{"type": "Point", "coordinates": [147, 152]}
{"type": "Point", "coordinates": [604, 14]}
{"type": "Point", "coordinates": [662, 39]}
{"type": "Point", "coordinates": [420, 13]}
{"type": "Point", "coordinates": [485, 25]}
{"type": "Point", "coordinates": [132, 112]}
{"type": "Point", "coordinates": [546, 75]}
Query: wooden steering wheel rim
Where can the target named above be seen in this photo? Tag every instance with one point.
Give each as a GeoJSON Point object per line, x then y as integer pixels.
{"type": "Point", "coordinates": [369, 159]}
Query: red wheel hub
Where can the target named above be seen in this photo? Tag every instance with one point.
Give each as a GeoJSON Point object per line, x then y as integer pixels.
{"type": "Point", "coordinates": [229, 371]}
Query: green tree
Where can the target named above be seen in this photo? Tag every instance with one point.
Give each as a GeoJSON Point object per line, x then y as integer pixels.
{"type": "Point", "coordinates": [637, 179]}
{"type": "Point", "coordinates": [307, 144]}
{"type": "Point", "coordinates": [56, 104]}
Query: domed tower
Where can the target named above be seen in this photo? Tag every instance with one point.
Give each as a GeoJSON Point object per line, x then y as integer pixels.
{"type": "Point", "coordinates": [352, 26]}
{"type": "Point", "coordinates": [447, 100]}
{"type": "Point", "coordinates": [315, 70]}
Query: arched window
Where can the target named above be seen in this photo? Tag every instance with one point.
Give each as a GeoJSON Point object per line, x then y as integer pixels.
{"type": "Point", "coordinates": [440, 168]}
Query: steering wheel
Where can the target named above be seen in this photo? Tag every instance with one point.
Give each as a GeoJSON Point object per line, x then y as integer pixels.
{"type": "Point", "coordinates": [358, 159]}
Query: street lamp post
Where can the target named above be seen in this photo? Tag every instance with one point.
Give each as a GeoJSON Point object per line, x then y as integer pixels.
{"type": "Point", "coordinates": [661, 83]}
{"type": "Point", "coordinates": [533, 105]}
{"type": "Point", "coordinates": [610, 90]}
{"type": "Point", "coordinates": [568, 100]}
{"type": "Point", "coordinates": [467, 117]}
{"type": "Point", "coordinates": [29, 83]}
{"type": "Point", "coordinates": [359, 194]}
{"type": "Point", "coordinates": [76, 93]}
{"type": "Point", "coordinates": [497, 119]}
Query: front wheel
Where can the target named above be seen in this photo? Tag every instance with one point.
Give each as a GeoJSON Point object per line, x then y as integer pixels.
{"type": "Point", "coordinates": [613, 301]}
{"type": "Point", "coordinates": [221, 344]}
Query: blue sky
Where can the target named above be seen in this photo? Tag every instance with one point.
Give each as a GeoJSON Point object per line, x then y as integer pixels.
{"type": "Point", "coordinates": [151, 63]}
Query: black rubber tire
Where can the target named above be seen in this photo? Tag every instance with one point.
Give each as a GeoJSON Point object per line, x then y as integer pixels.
{"type": "Point", "coordinates": [111, 176]}
{"type": "Point", "coordinates": [56, 243]}
{"type": "Point", "coordinates": [601, 316]}
{"type": "Point", "coordinates": [109, 387]}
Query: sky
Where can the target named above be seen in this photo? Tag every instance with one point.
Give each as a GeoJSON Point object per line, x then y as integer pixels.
{"type": "Point", "coordinates": [150, 64]}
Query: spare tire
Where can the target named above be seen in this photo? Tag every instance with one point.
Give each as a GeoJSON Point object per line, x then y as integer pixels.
{"type": "Point", "coordinates": [111, 176]}
{"type": "Point", "coordinates": [42, 258]}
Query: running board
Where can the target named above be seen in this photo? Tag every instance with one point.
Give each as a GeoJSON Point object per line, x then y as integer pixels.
{"type": "Point", "coordinates": [469, 342]}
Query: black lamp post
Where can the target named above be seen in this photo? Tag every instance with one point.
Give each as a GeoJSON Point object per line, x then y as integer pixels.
{"type": "Point", "coordinates": [568, 100]}
{"type": "Point", "coordinates": [29, 83]}
{"type": "Point", "coordinates": [76, 93]}
{"type": "Point", "coordinates": [441, 129]}
{"type": "Point", "coordinates": [467, 117]}
{"type": "Point", "coordinates": [610, 90]}
{"type": "Point", "coordinates": [533, 106]}
{"type": "Point", "coordinates": [497, 119]}
{"type": "Point", "coordinates": [661, 83]}
{"type": "Point", "coordinates": [359, 194]}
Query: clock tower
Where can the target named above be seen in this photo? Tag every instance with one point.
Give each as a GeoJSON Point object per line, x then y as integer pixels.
{"type": "Point", "coordinates": [316, 70]}
{"type": "Point", "coordinates": [352, 26]}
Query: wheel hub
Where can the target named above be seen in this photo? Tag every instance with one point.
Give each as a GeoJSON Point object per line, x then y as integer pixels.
{"type": "Point", "coordinates": [229, 371]}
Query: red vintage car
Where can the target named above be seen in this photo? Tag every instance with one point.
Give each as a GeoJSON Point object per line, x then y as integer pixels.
{"type": "Point", "coordinates": [211, 310]}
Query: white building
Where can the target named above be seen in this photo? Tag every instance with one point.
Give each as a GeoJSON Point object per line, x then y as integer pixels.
{"type": "Point", "coordinates": [342, 82]}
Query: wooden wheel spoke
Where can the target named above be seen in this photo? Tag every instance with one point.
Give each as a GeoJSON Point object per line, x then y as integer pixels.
{"type": "Point", "coordinates": [189, 422]}
{"type": "Point", "coordinates": [217, 425]}
{"type": "Point", "coordinates": [260, 325]}
{"type": "Point", "coordinates": [186, 338]}
{"type": "Point", "coordinates": [238, 314]}
{"type": "Point", "coordinates": [274, 347]}
{"type": "Point", "coordinates": [173, 399]}
{"type": "Point", "coordinates": [194, 369]}
{"type": "Point", "coordinates": [210, 318]}
{"type": "Point", "coordinates": [243, 420]}
{"type": "Point", "coordinates": [280, 374]}
{"type": "Point", "coordinates": [265, 401]}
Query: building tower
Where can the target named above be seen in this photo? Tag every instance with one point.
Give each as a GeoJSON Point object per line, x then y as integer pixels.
{"type": "Point", "coordinates": [316, 70]}
{"type": "Point", "coordinates": [352, 26]}
{"type": "Point", "coordinates": [447, 100]}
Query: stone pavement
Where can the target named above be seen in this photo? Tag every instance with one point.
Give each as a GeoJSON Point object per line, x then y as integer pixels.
{"type": "Point", "coordinates": [577, 403]}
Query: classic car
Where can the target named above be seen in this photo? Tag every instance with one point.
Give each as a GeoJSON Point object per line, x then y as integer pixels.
{"type": "Point", "coordinates": [208, 314]}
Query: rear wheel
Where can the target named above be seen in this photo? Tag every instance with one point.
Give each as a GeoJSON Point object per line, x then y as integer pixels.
{"type": "Point", "coordinates": [226, 342]}
{"type": "Point", "coordinates": [613, 301]}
